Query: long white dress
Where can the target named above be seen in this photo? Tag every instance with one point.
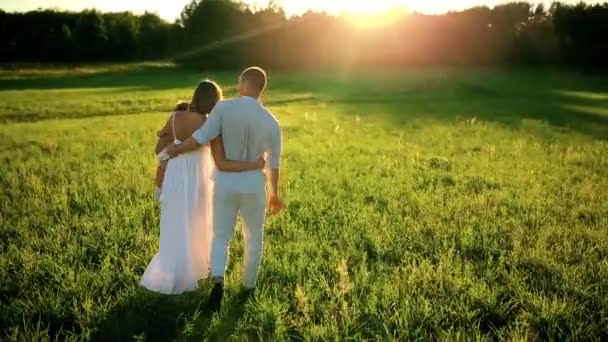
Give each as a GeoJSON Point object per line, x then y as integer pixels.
{"type": "Point", "coordinates": [185, 225]}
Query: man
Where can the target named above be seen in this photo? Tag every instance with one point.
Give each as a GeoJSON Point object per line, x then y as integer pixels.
{"type": "Point", "coordinates": [248, 130]}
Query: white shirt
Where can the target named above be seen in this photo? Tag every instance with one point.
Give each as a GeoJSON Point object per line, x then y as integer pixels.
{"type": "Point", "coordinates": [248, 130]}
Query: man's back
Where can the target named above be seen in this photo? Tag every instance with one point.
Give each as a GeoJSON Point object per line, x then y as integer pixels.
{"type": "Point", "coordinates": [248, 130]}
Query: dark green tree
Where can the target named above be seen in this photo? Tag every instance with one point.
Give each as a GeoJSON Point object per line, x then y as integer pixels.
{"type": "Point", "coordinates": [91, 36]}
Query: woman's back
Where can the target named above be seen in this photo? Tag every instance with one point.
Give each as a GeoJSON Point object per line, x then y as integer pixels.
{"type": "Point", "coordinates": [185, 123]}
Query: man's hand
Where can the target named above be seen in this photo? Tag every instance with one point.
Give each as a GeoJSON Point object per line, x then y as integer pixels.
{"type": "Point", "coordinates": [172, 150]}
{"type": "Point", "coordinates": [275, 204]}
{"type": "Point", "coordinates": [187, 146]}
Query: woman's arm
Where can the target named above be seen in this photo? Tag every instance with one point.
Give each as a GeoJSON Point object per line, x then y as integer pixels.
{"type": "Point", "coordinates": [217, 150]}
{"type": "Point", "coordinates": [164, 137]}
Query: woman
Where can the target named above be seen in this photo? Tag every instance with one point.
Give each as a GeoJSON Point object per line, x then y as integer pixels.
{"type": "Point", "coordinates": [185, 219]}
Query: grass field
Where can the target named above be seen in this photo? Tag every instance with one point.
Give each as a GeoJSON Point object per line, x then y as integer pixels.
{"type": "Point", "coordinates": [444, 204]}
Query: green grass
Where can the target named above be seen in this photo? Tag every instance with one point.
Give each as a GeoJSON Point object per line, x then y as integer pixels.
{"type": "Point", "coordinates": [447, 204]}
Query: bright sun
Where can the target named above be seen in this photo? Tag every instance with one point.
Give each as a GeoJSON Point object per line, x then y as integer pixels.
{"type": "Point", "coordinates": [374, 13]}
{"type": "Point", "coordinates": [371, 14]}
{"type": "Point", "coordinates": [374, 19]}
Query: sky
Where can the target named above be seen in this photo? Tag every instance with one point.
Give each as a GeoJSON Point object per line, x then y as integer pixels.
{"type": "Point", "coordinates": [170, 9]}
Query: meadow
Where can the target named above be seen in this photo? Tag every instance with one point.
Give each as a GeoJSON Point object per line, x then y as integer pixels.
{"type": "Point", "coordinates": [424, 204]}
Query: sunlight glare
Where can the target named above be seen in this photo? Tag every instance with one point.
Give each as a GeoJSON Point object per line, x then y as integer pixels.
{"type": "Point", "coordinates": [374, 20]}
{"type": "Point", "coordinates": [365, 14]}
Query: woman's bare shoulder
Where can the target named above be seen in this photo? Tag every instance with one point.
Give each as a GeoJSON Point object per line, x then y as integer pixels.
{"type": "Point", "coordinates": [186, 116]}
{"type": "Point", "coordinates": [188, 122]}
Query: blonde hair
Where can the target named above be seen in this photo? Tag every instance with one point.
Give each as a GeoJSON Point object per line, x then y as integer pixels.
{"type": "Point", "coordinates": [205, 96]}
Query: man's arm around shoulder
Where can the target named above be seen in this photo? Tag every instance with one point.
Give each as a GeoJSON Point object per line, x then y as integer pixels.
{"type": "Point", "coordinates": [202, 136]}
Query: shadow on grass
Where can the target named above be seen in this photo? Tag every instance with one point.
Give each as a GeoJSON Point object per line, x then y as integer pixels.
{"type": "Point", "coordinates": [585, 115]}
{"type": "Point", "coordinates": [566, 101]}
{"type": "Point", "coordinates": [563, 100]}
{"type": "Point", "coordinates": [148, 316]}
{"type": "Point", "coordinates": [35, 117]}
{"type": "Point", "coordinates": [233, 310]}
{"type": "Point", "coordinates": [142, 77]}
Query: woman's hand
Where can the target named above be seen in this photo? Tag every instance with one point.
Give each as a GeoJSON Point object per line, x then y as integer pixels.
{"type": "Point", "coordinates": [260, 163]}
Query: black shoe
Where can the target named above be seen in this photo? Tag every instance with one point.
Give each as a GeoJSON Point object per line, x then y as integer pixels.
{"type": "Point", "coordinates": [215, 299]}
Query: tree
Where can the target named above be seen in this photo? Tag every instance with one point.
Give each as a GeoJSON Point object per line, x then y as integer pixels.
{"type": "Point", "coordinates": [229, 34]}
{"type": "Point", "coordinates": [539, 12]}
{"type": "Point", "coordinates": [123, 31]}
{"type": "Point", "coordinates": [153, 37]}
{"type": "Point", "coordinates": [91, 36]}
{"type": "Point", "coordinates": [209, 29]}
{"type": "Point", "coordinates": [66, 43]}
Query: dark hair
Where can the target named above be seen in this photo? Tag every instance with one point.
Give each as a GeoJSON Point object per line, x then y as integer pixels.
{"type": "Point", "coordinates": [182, 106]}
{"type": "Point", "coordinates": [205, 96]}
{"type": "Point", "coordinates": [256, 76]}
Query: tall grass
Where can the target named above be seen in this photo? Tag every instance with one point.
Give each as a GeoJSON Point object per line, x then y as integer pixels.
{"type": "Point", "coordinates": [446, 204]}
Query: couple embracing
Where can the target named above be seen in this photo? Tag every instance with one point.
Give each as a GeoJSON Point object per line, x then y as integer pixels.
{"type": "Point", "coordinates": [201, 199]}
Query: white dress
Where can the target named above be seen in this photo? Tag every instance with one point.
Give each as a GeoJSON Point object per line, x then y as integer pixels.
{"type": "Point", "coordinates": [185, 225]}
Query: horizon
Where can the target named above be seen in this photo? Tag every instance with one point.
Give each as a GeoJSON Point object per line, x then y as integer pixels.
{"type": "Point", "coordinates": [170, 11]}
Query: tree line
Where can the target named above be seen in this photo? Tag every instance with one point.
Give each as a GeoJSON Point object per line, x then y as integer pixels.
{"type": "Point", "coordinates": [88, 36]}
{"type": "Point", "coordinates": [229, 34]}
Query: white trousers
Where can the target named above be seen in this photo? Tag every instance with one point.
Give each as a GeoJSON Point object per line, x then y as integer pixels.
{"type": "Point", "coordinates": [226, 207]}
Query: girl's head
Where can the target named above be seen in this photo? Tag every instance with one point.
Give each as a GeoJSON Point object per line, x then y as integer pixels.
{"type": "Point", "coordinates": [205, 96]}
{"type": "Point", "coordinates": [182, 106]}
